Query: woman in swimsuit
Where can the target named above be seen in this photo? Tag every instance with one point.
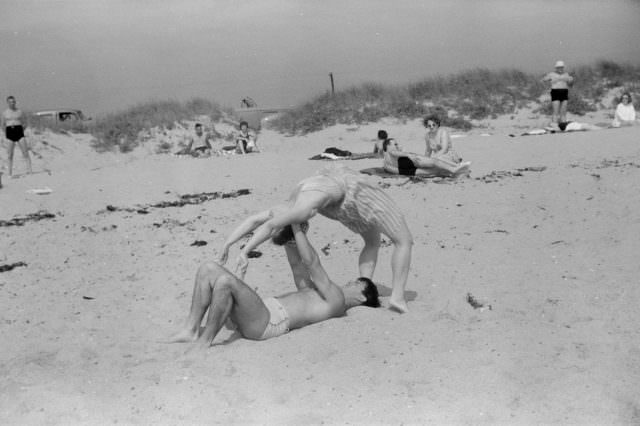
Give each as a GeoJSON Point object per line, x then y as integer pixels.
{"type": "Point", "coordinates": [438, 142]}
{"type": "Point", "coordinates": [14, 132]}
{"type": "Point", "coordinates": [340, 194]}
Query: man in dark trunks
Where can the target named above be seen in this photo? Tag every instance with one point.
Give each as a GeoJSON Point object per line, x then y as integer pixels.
{"type": "Point", "coordinates": [12, 123]}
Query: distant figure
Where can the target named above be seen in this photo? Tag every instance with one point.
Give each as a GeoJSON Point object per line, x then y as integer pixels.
{"type": "Point", "coordinates": [400, 162]}
{"type": "Point", "coordinates": [560, 82]}
{"type": "Point", "coordinates": [247, 102]}
{"type": "Point", "coordinates": [382, 138]}
{"type": "Point", "coordinates": [199, 144]}
{"type": "Point", "coordinates": [438, 142]}
{"type": "Point", "coordinates": [625, 112]}
{"type": "Point", "coordinates": [228, 297]}
{"type": "Point", "coordinates": [246, 140]}
{"type": "Point", "coordinates": [14, 132]}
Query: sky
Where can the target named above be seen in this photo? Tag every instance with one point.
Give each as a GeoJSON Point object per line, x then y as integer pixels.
{"type": "Point", "coordinates": [104, 55]}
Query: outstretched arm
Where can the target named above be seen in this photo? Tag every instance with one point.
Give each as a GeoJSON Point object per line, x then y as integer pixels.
{"type": "Point", "coordinates": [247, 226]}
{"type": "Point", "coordinates": [266, 230]}
{"type": "Point", "coordinates": [310, 258]}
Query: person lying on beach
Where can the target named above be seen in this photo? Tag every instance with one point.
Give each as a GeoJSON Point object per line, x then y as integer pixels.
{"type": "Point", "coordinates": [228, 297]}
{"type": "Point", "coordinates": [625, 114]}
{"type": "Point", "coordinates": [438, 141]}
{"type": "Point", "coordinates": [383, 137]}
{"type": "Point", "coordinates": [407, 163]}
{"type": "Point", "coordinates": [341, 194]}
{"type": "Point", "coordinates": [246, 140]}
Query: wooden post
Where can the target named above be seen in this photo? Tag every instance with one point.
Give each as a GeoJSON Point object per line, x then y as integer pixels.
{"type": "Point", "coordinates": [333, 89]}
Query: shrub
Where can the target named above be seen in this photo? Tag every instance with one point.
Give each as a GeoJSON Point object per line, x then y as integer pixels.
{"type": "Point", "coordinates": [121, 130]}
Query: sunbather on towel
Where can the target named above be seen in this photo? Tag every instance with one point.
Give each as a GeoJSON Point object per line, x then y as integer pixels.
{"type": "Point", "coordinates": [408, 163]}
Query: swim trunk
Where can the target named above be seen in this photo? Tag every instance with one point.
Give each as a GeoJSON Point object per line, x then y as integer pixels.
{"type": "Point", "coordinates": [14, 133]}
{"type": "Point", "coordinates": [559, 95]}
{"type": "Point", "coordinates": [278, 319]}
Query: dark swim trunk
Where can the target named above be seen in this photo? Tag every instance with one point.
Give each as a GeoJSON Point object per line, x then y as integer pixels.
{"type": "Point", "coordinates": [406, 167]}
{"type": "Point", "coordinates": [14, 133]}
{"type": "Point", "coordinates": [559, 95]}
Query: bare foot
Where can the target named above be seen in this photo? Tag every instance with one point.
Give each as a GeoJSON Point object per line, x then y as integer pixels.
{"type": "Point", "coordinates": [183, 336]}
{"type": "Point", "coordinates": [462, 168]}
{"type": "Point", "coordinates": [197, 349]}
{"type": "Point", "coordinates": [398, 305]}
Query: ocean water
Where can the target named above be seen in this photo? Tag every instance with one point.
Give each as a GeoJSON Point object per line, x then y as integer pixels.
{"type": "Point", "coordinates": [102, 55]}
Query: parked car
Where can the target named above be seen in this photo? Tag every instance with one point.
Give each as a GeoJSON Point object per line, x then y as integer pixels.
{"type": "Point", "coordinates": [61, 115]}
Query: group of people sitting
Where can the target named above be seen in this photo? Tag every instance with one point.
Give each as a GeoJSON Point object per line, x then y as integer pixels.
{"type": "Point", "coordinates": [439, 159]}
{"type": "Point", "coordinates": [200, 144]}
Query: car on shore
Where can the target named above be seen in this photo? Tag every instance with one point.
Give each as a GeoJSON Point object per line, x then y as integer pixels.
{"type": "Point", "coordinates": [66, 115]}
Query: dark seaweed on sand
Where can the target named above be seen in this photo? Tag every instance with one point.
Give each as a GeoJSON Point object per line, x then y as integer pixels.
{"type": "Point", "coordinates": [31, 217]}
{"type": "Point", "coordinates": [10, 266]}
{"type": "Point", "coordinates": [184, 200]}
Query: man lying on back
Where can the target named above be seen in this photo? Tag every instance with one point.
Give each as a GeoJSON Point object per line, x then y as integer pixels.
{"type": "Point", "coordinates": [316, 299]}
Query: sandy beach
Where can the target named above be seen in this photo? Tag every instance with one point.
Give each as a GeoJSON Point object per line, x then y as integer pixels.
{"type": "Point", "coordinates": [544, 234]}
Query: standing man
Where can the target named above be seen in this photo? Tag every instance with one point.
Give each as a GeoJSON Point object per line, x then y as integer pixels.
{"type": "Point", "coordinates": [560, 83]}
{"type": "Point", "coordinates": [14, 132]}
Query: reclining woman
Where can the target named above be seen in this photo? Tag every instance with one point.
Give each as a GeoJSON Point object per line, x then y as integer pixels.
{"type": "Point", "coordinates": [340, 194]}
{"type": "Point", "coordinates": [407, 163]}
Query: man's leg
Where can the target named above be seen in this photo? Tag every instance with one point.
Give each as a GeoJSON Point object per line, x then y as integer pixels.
{"type": "Point", "coordinates": [22, 143]}
{"type": "Point", "coordinates": [444, 167]}
{"type": "Point", "coordinates": [563, 112]}
{"type": "Point", "coordinates": [224, 295]}
{"type": "Point", "coordinates": [555, 105]}
{"type": "Point", "coordinates": [400, 263]}
{"type": "Point", "coordinates": [369, 253]}
{"type": "Point", "coordinates": [10, 149]}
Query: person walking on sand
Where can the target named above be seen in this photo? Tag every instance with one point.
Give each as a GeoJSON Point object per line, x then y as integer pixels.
{"type": "Point", "coordinates": [560, 82]}
{"type": "Point", "coordinates": [227, 297]}
{"type": "Point", "coordinates": [12, 123]}
{"type": "Point", "coordinates": [341, 194]}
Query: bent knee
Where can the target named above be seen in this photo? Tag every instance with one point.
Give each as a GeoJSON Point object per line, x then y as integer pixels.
{"type": "Point", "coordinates": [212, 270]}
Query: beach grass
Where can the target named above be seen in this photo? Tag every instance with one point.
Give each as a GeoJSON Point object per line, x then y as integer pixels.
{"type": "Point", "coordinates": [458, 98]}
{"type": "Point", "coordinates": [121, 130]}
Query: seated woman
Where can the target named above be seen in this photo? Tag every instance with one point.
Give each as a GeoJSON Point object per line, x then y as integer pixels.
{"type": "Point", "coordinates": [438, 141]}
{"type": "Point", "coordinates": [625, 112]}
{"type": "Point", "coordinates": [246, 140]}
{"type": "Point", "coordinates": [407, 163]}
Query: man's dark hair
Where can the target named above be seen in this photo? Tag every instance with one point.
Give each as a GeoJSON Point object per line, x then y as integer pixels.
{"type": "Point", "coordinates": [370, 292]}
{"type": "Point", "coordinates": [198, 125]}
{"type": "Point", "coordinates": [243, 123]}
{"type": "Point", "coordinates": [382, 135]}
{"type": "Point", "coordinates": [284, 235]}
{"type": "Point", "coordinates": [10, 97]}
{"type": "Point", "coordinates": [386, 143]}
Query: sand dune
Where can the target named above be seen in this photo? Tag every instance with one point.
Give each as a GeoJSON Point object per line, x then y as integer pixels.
{"type": "Point", "coordinates": [551, 254]}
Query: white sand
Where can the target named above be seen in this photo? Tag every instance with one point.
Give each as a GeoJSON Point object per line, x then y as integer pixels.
{"type": "Point", "coordinates": [555, 254]}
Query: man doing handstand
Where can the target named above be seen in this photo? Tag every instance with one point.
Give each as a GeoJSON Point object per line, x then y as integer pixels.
{"type": "Point", "coordinates": [227, 297]}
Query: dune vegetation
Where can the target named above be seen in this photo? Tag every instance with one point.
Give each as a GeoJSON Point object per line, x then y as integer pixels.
{"type": "Point", "coordinates": [459, 99]}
